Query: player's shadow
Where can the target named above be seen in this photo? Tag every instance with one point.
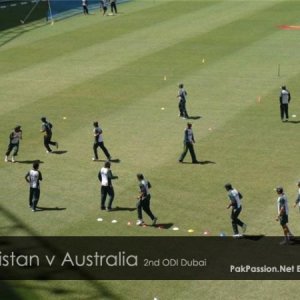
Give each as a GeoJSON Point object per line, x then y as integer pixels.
{"type": "Point", "coordinates": [200, 162]}
{"type": "Point", "coordinates": [118, 208]}
{"type": "Point", "coordinates": [59, 152]}
{"type": "Point", "coordinates": [206, 162]}
{"type": "Point", "coordinates": [40, 208]}
{"type": "Point", "coordinates": [253, 237]}
{"type": "Point", "coordinates": [115, 160]}
{"type": "Point", "coordinates": [294, 122]}
{"type": "Point", "coordinates": [163, 225]}
{"type": "Point", "coordinates": [29, 161]}
{"type": "Point", "coordinates": [294, 241]}
{"type": "Point", "coordinates": [9, 35]}
{"type": "Point", "coordinates": [194, 117]}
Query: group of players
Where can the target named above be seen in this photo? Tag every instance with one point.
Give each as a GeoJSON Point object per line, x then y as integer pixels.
{"type": "Point", "coordinates": [103, 6]}
{"type": "Point", "coordinates": [105, 175]}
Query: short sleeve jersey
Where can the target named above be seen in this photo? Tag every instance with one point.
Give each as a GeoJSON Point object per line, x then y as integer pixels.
{"type": "Point", "coordinates": [47, 128]}
{"type": "Point", "coordinates": [282, 204]}
{"type": "Point", "coordinates": [98, 134]}
{"type": "Point", "coordinates": [285, 96]}
{"type": "Point", "coordinates": [144, 188]}
{"type": "Point", "coordinates": [188, 135]}
{"type": "Point", "coordinates": [234, 197]}
{"type": "Point", "coordinates": [105, 176]}
{"type": "Point", "coordinates": [34, 178]}
{"type": "Point", "coordinates": [182, 94]}
{"type": "Point", "coordinates": [15, 137]}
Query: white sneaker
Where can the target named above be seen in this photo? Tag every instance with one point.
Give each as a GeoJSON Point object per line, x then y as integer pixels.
{"type": "Point", "coordinates": [13, 159]}
{"type": "Point", "coordinates": [139, 222]}
{"type": "Point", "coordinates": [244, 228]}
{"type": "Point", "coordinates": [237, 236]}
{"type": "Point", "coordinates": [6, 159]}
{"type": "Point", "coordinates": [94, 159]}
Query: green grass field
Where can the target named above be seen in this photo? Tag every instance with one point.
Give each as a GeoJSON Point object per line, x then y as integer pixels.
{"type": "Point", "coordinates": [121, 71]}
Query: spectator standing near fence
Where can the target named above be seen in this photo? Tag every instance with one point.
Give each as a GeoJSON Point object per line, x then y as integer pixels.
{"type": "Point", "coordinates": [103, 6]}
{"type": "Point", "coordinates": [85, 7]}
{"type": "Point", "coordinates": [113, 6]}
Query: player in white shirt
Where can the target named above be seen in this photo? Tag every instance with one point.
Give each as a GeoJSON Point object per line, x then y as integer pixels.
{"type": "Point", "coordinates": [105, 176]}
{"type": "Point", "coordinates": [33, 177]}
{"type": "Point", "coordinates": [85, 7]}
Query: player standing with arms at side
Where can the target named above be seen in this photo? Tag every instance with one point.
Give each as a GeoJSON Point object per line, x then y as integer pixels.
{"type": "Point", "coordinates": [33, 177]}
{"type": "Point", "coordinates": [284, 100]}
{"type": "Point", "coordinates": [105, 176]}
{"type": "Point", "coordinates": [283, 215]}
{"type": "Point", "coordinates": [182, 95]}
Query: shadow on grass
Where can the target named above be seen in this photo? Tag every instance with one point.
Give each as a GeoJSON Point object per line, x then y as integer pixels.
{"type": "Point", "coordinates": [163, 225]}
{"type": "Point", "coordinates": [118, 208]}
{"type": "Point", "coordinates": [253, 237]}
{"type": "Point", "coordinates": [40, 209]}
{"type": "Point", "coordinates": [194, 117]}
{"type": "Point", "coordinates": [9, 290]}
{"type": "Point", "coordinates": [295, 241]}
{"type": "Point", "coordinates": [59, 152]}
{"type": "Point", "coordinates": [9, 35]}
{"type": "Point", "coordinates": [293, 122]}
{"type": "Point", "coordinates": [200, 162]}
{"type": "Point", "coordinates": [206, 162]}
{"type": "Point", "coordinates": [29, 161]}
{"type": "Point", "coordinates": [115, 160]}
